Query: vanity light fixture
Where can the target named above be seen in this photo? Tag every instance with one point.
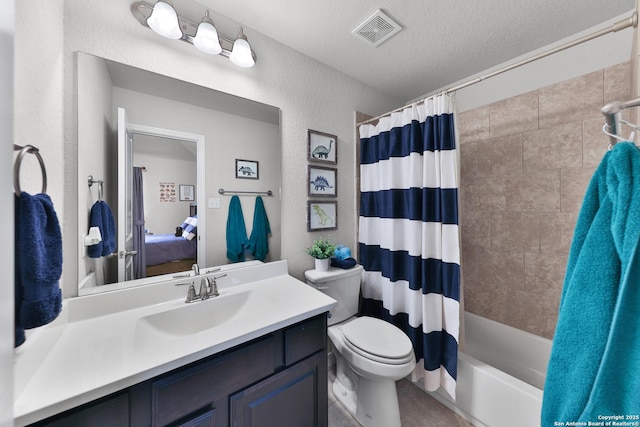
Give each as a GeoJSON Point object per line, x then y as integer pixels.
{"type": "Point", "coordinates": [162, 18]}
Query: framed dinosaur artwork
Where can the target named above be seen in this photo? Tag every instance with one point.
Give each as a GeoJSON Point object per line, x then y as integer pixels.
{"type": "Point", "coordinates": [323, 147]}
{"type": "Point", "coordinates": [322, 181]}
{"type": "Point", "coordinates": [247, 169]}
{"type": "Point", "coordinates": [322, 215]}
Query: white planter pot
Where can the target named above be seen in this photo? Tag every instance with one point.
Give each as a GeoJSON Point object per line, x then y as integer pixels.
{"type": "Point", "coordinates": [322, 264]}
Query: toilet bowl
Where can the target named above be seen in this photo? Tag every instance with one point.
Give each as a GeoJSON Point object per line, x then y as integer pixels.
{"type": "Point", "coordinates": [371, 354]}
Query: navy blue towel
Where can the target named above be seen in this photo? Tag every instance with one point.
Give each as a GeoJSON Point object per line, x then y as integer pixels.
{"type": "Point", "coordinates": [38, 263]}
{"type": "Point", "coordinates": [346, 263]}
{"type": "Point", "coordinates": [101, 217]}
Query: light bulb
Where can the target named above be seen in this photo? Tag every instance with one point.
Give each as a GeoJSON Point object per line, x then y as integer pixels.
{"type": "Point", "coordinates": [164, 21]}
{"type": "Point", "coordinates": [241, 53]}
{"type": "Point", "coordinates": [206, 38]}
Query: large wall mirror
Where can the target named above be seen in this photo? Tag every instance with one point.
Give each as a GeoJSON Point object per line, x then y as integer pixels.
{"type": "Point", "coordinates": [158, 151]}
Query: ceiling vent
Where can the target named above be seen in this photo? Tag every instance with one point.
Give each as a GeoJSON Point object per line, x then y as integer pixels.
{"type": "Point", "coordinates": [377, 28]}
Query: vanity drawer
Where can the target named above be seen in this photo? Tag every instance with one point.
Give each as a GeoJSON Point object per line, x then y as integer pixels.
{"type": "Point", "coordinates": [195, 388]}
{"type": "Point", "coordinates": [305, 338]}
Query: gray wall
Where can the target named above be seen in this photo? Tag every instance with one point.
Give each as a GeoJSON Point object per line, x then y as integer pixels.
{"type": "Point", "coordinates": [6, 215]}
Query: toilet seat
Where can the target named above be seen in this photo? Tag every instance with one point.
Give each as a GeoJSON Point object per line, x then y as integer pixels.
{"type": "Point", "coordinates": [377, 340]}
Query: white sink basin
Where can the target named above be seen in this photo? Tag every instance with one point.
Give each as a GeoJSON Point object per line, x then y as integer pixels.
{"type": "Point", "coordinates": [198, 316]}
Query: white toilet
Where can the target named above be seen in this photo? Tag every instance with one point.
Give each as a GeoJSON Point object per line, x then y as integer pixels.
{"type": "Point", "coordinates": [371, 354]}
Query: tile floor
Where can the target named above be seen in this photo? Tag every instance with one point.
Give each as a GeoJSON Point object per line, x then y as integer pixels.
{"type": "Point", "coordinates": [417, 409]}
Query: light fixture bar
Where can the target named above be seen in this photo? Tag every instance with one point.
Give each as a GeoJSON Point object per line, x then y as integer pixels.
{"type": "Point", "coordinates": [141, 10]}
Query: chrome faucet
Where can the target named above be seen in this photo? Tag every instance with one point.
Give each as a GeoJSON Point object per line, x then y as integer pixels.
{"type": "Point", "coordinates": [191, 292]}
{"type": "Point", "coordinates": [208, 289]}
{"type": "Point", "coordinates": [204, 288]}
{"type": "Point", "coordinates": [213, 286]}
{"type": "Point", "coordinates": [196, 269]}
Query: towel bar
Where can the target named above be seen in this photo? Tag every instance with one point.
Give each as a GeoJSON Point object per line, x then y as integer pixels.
{"type": "Point", "coordinates": [223, 191]}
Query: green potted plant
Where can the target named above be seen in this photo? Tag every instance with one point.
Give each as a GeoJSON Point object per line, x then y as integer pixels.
{"type": "Point", "coordinates": [322, 251]}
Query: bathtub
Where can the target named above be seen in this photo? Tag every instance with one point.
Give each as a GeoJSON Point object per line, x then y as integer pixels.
{"type": "Point", "coordinates": [500, 375]}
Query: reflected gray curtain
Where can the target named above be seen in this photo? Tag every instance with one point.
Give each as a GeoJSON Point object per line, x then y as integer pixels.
{"type": "Point", "coordinates": [140, 260]}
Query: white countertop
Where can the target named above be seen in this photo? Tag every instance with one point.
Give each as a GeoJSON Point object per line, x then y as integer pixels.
{"type": "Point", "coordinates": [99, 345]}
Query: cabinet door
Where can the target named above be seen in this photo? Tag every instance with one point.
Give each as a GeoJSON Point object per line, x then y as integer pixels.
{"type": "Point", "coordinates": [295, 397]}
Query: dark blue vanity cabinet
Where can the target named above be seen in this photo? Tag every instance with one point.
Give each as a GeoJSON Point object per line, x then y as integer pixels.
{"type": "Point", "coordinates": [279, 379]}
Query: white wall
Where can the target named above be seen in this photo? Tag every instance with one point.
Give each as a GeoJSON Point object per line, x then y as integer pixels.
{"type": "Point", "coordinates": [599, 53]}
{"type": "Point", "coordinates": [7, 31]}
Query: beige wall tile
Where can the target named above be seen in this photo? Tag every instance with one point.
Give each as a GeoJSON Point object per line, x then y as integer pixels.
{"type": "Point", "coordinates": [572, 100]}
{"type": "Point", "coordinates": [522, 187]}
{"type": "Point", "coordinates": [515, 232]}
{"type": "Point", "coordinates": [544, 274]}
{"type": "Point", "coordinates": [475, 228]}
{"type": "Point", "coordinates": [469, 264]}
{"type": "Point", "coordinates": [485, 193]}
{"type": "Point", "coordinates": [553, 148]}
{"type": "Point", "coordinates": [514, 115]}
{"type": "Point", "coordinates": [500, 268]}
{"type": "Point", "coordinates": [468, 161]}
{"type": "Point", "coordinates": [532, 313]}
{"type": "Point", "coordinates": [489, 300]}
{"type": "Point", "coordinates": [556, 232]}
{"type": "Point", "coordinates": [497, 156]}
{"type": "Point", "coordinates": [617, 83]}
{"type": "Point", "coordinates": [594, 142]}
{"type": "Point", "coordinates": [537, 191]}
{"type": "Point", "coordinates": [573, 184]}
{"type": "Point", "coordinates": [473, 125]}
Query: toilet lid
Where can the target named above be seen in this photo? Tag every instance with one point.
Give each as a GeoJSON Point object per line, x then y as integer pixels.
{"type": "Point", "coordinates": [378, 340]}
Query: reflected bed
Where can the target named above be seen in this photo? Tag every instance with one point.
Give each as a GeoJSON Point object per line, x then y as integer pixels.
{"type": "Point", "coordinates": [167, 253]}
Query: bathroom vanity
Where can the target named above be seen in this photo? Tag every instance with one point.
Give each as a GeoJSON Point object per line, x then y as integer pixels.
{"type": "Point", "coordinates": [254, 356]}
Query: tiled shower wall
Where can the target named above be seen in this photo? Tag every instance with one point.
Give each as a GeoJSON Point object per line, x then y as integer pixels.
{"type": "Point", "coordinates": [525, 164]}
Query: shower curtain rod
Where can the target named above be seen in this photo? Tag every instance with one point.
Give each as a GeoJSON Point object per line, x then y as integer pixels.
{"type": "Point", "coordinates": [631, 21]}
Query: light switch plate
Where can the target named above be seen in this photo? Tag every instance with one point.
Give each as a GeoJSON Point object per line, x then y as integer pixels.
{"type": "Point", "coordinates": [214, 202]}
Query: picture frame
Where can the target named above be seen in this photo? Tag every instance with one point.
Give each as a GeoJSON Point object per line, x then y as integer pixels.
{"type": "Point", "coordinates": [322, 147]}
{"type": "Point", "coordinates": [167, 192]}
{"type": "Point", "coordinates": [187, 193]}
{"type": "Point", "coordinates": [322, 215]}
{"type": "Point", "coordinates": [322, 181]}
{"type": "Point", "coordinates": [247, 169]}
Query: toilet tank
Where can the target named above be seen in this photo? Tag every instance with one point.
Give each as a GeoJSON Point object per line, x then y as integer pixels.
{"type": "Point", "coordinates": [341, 285]}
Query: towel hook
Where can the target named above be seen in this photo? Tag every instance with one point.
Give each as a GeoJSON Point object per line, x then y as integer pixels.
{"type": "Point", "coordinates": [16, 167]}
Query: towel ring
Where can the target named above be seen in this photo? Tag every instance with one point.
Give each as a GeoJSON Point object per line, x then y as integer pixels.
{"type": "Point", "coordinates": [16, 167]}
{"type": "Point", "coordinates": [100, 183]}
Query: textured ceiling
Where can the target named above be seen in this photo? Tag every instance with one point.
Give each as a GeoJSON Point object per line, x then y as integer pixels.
{"type": "Point", "coordinates": [443, 41]}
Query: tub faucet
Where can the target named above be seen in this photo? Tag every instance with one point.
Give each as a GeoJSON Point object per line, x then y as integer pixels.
{"type": "Point", "coordinates": [196, 269]}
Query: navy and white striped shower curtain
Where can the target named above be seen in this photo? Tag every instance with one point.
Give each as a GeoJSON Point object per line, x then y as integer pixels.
{"type": "Point", "coordinates": [408, 238]}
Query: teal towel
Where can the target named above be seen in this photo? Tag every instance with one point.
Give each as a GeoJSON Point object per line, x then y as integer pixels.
{"type": "Point", "coordinates": [236, 231]}
{"type": "Point", "coordinates": [595, 357]}
{"type": "Point", "coordinates": [259, 240]}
